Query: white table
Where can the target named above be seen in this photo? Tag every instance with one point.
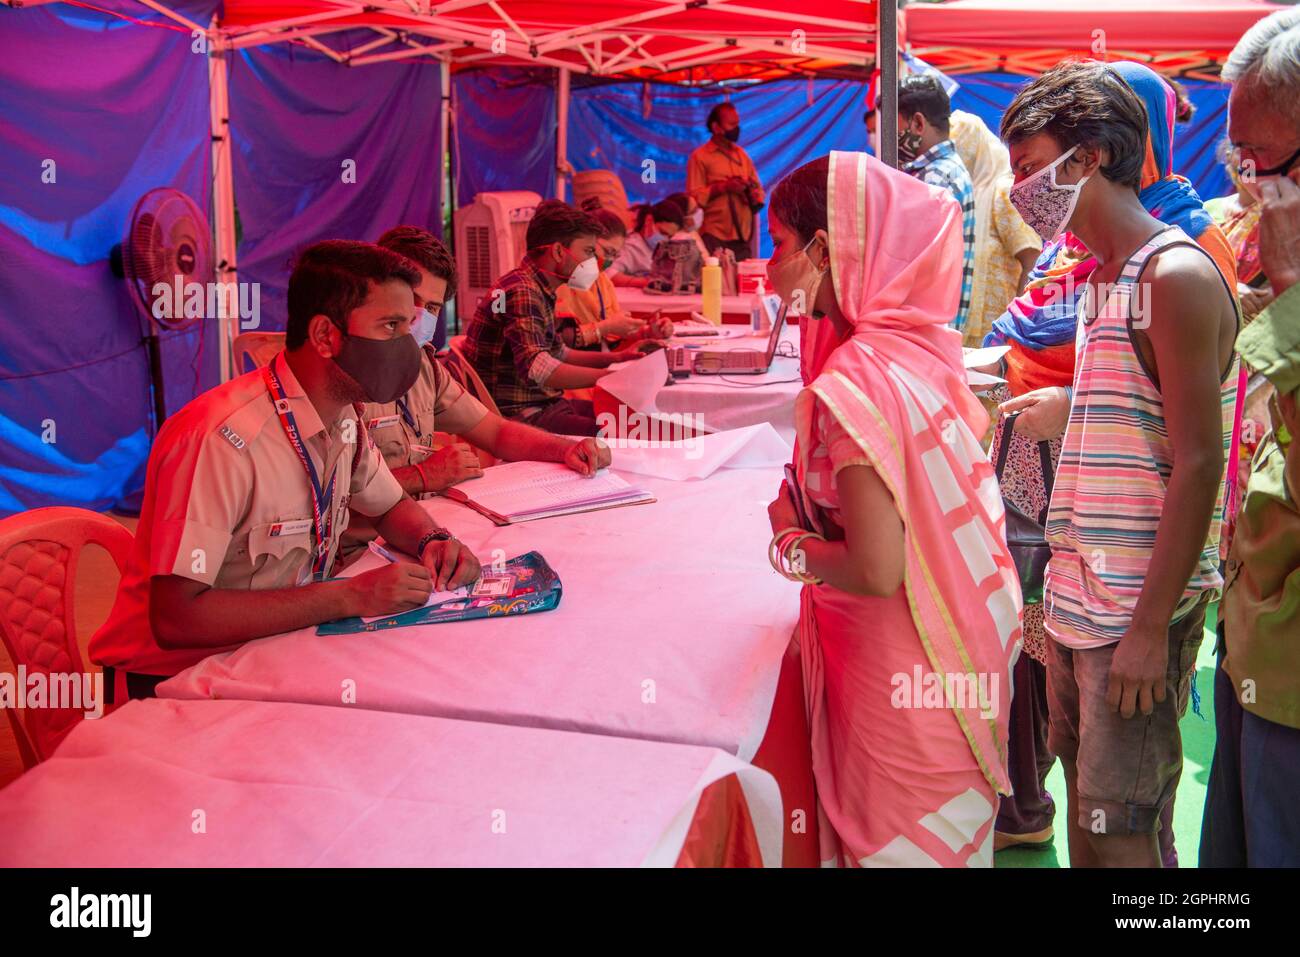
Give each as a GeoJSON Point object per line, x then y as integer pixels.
{"type": "Point", "coordinates": [672, 628]}
{"type": "Point", "coordinates": [255, 784]}
{"type": "Point", "coordinates": [718, 402]}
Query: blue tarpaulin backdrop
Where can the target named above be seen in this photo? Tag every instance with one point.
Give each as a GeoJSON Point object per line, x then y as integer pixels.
{"type": "Point", "coordinates": [504, 131]}
{"type": "Point", "coordinates": [327, 152]}
{"type": "Point", "coordinates": [74, 379]}
{"type": "Point", "coordinates": [626, 126]}
{"type": "Point", "coordinates": [135, 116]}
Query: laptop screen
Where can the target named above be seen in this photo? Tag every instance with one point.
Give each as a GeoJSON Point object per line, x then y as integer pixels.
{"type": "Point", "coordinates": [775, 338]}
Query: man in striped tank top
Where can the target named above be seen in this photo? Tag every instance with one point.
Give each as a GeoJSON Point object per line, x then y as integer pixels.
{"type": "Point", "coordinates": [1135, 512]}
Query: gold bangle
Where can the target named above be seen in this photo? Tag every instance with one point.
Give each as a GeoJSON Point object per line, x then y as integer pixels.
{"type": "Point", "coordinates": [793, 546]}
{"type": "Point", "coordinates": [773, 548]}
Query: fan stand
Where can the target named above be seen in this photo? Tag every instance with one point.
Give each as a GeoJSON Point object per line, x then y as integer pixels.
{"type": "Point", "coordinates": [152, 347]}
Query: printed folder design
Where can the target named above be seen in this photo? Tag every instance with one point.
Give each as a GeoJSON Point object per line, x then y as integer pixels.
{"type": "Point", "coordinates": [522, 585]}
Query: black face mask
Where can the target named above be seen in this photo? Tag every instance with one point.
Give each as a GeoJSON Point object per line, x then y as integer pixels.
{"type": "Point", "coordinates": [732, 135]}
{"type": "Point", "coordinates": [909, 145]}
{"type": "Point", "coordinates": [1281, 169]}
{"type": "Point", "coordinates": [384, 368]}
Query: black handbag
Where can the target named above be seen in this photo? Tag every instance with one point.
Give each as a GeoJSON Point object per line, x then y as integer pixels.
{"type": "Point", "coordinates": [1025, 535]}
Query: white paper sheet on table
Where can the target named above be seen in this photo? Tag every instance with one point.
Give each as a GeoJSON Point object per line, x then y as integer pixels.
{"type": "Point", "coordinates": [755, 446]}
{"type": "Point", "coordinates": [434, 598]}
{"type": "Point", "coordinates": [636, 383]}
{"type": "Point", "coordinates": [523, 491]}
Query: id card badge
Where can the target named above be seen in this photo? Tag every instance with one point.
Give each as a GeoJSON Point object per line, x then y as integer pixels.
{"type": "Point", "coordinates": [383, 422]}
{"type": "Point", "coordinates": [301, 526]}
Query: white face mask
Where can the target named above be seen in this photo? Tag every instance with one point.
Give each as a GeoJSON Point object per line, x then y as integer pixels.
{"type": "Point", "coordinates": [584, 274]}
{"type": "Point", "coordinates": [1045, 204]}
{"type": "Point", "coordinates": [424, 327]}
{"type": "Point", "coordinates": [697, 220]}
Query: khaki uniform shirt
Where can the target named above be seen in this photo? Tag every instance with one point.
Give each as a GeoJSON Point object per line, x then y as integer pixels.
{"type": "Point", "coordinates": [404, 430]}
{"type": "Point", "coordinates": [228, 503]}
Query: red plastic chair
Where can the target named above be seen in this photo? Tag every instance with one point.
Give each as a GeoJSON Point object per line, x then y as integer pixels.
{"type": "Point", "coordinates": [39, 554]}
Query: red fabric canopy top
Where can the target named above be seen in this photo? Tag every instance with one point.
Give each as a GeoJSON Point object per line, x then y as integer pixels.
{"type": "Point", "coordinates": [702, 40]}
{"type": "Point", "coordinates": [1139, 25]}
{"type": "Point", "coordinates": [666, 39]}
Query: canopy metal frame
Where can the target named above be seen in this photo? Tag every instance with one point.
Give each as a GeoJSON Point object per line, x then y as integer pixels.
{"type": "Point", "coordinates": [614, 47]}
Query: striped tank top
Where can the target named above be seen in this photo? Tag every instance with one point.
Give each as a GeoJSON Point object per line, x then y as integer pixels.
{"type": "Point", "coordinates": [1116, 459]}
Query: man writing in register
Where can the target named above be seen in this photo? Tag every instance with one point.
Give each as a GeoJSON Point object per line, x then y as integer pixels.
{"type": "Point", "coordinates": [248, 486]}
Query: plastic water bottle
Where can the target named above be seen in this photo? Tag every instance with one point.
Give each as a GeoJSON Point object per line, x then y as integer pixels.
{"type": "Point", "coordinates": [711, 286]}
{"type": "Point", "coordinates": [758, 321]}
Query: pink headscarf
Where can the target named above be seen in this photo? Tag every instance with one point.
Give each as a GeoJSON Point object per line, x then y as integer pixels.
{"type": "Point", "coordinates": [898, 387]}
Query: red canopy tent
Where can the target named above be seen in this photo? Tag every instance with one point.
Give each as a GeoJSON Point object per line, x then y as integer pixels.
{"type": "Point", "coordinates": [681, 41]}
{"type": "Point", "coordinates": [666, 40]}
{"type": "Point", "coordinates": [705, 41]}
{"type": "Point", "coordinates": [1188, 37]}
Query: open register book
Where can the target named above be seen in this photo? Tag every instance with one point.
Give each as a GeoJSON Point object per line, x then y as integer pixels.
{"type": "Point", "coordinates": [524, 491]}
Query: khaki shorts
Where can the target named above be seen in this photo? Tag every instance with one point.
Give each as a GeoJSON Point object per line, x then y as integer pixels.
{"type": "Point", "coordinates": [1127, 768]}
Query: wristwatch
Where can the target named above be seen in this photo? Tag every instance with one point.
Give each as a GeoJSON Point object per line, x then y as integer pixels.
{"type": "Point", "coordinates": [440, 535]}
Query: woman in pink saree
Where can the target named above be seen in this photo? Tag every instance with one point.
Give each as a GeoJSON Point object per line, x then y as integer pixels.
{"type": "Point", "coordinates": [910, 614]}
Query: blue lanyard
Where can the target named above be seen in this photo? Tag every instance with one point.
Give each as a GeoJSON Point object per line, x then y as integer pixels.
{"type": "Point", "coordinates": [321, 500]}
{"type": "Point", "coordinates": [600, 299]}
{"type": "Point", "coordinates": [406, 415]}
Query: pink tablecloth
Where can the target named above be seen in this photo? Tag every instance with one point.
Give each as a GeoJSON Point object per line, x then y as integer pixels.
{"type": "Point", "coordinates": [718, 403]}
{"type": "Point", "coordinates": [255, 784]}
{"type": "Point", "coordinates": [672, 628]}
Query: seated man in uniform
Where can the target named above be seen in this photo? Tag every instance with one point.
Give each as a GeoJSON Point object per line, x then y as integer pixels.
{"type": "Point", "coordinates": [403, 429]}
{"type": "Point", "coordinates": [249, 485]}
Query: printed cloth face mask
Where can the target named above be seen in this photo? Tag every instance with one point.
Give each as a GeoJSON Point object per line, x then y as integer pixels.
{"type": "Point", "coordinates": [1045, 204]}
{"type": "Point", "coordinates": [909, 145]}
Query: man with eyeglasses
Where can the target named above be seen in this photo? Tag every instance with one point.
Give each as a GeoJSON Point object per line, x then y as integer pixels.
{"type": "Point", "coordinates": [1250, 806]}
{"type": "Point", "coordinates": [404, 429]}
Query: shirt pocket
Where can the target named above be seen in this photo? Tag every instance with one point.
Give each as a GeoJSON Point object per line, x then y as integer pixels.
{"type": "Point", "coordinates": [281, 553]}
{"type": "Point", "coordinates": [424, 425]}
{"type": "Point", "coordinates": [387, 434]}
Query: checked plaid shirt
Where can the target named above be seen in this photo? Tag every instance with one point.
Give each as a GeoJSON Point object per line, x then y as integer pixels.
{"type": "Point", "coordinates": [512, 341]}
{"type": "Point", "coordinates": [941, 166]}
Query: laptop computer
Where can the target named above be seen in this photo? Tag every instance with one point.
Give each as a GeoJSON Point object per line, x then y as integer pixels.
{"type": "Point", "coordinates": [683, 361]}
